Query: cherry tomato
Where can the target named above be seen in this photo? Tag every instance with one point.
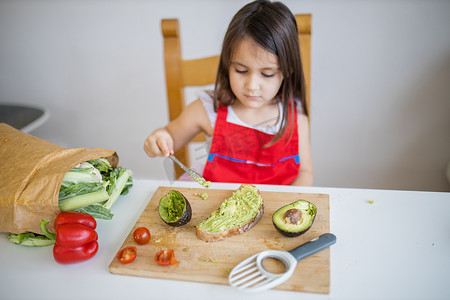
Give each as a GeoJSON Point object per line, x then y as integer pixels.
{"type": "Point", "coordinates": [166, 257]}
{"type": "Point", "coordinates": [141, 235]}
{"type": "Point", "coordinates": [127, 255]}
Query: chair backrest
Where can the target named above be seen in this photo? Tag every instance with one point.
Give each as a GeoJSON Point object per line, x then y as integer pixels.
{"type": "Point", "coordinates": [182, 73]}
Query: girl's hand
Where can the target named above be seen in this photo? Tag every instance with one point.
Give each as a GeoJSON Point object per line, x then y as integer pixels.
{"type": "Point", "coordinates": [159, 143]}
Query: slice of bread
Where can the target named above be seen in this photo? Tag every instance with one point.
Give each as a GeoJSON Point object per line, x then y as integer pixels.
{"type": "Point", "coordinates": [237, 214]}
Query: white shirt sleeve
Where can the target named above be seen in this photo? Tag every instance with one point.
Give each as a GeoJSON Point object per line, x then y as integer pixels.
{"type": "Point", "coordinates": [208, 104]}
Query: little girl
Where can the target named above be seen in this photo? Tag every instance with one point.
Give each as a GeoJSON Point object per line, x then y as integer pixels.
{"type": "Point", "coordinates": [257, 113]}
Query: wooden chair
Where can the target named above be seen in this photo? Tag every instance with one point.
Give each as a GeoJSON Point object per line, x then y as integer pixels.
{"type": "Point", "coordinates": [182, 73]}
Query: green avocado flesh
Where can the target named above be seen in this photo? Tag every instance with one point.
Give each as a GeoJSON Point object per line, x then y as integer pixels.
{"type": "Point", "coordinates": [174, 209]}
{"type": "Point", "coordinates": [294, 219]}
{"type": "Point", "coordinates": [235, 211]}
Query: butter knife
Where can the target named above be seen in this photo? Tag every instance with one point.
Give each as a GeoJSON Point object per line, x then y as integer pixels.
{"type": "Point", "coordinates": [197, 177]}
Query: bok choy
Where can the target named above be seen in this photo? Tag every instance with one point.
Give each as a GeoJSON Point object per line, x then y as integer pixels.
{"type": "Point", "coordinates": [93, 187]}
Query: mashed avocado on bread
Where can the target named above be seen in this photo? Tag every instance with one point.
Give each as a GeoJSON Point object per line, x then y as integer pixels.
{"type": "Point", "coordinates": [235, 215]}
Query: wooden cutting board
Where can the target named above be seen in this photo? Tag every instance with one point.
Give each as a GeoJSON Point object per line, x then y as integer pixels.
{"type": "Point", "coordinates": [211, 262]}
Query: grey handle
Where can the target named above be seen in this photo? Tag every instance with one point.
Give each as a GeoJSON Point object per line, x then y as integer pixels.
{"type": "Point", "coordinates": [313, 246]}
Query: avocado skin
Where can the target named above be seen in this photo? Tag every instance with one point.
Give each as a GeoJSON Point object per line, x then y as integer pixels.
{"type": "Point", "coordinates": [185, 217]}
{"type": "Point", "coordinates": [298, 231]}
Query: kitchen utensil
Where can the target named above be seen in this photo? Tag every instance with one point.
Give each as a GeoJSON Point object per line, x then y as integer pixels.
{"type": "Point", "coordinates": [251, 275]}
{"type": "Point", "coordinates": [197, 177]}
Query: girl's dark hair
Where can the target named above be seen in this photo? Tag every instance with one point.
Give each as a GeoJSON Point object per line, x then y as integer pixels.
{"type": "Point", "coordinates": [272, 26]}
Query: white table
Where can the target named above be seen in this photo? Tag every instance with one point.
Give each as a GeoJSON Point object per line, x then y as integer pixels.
{"type": "Point", "coordinates": [396, 248]}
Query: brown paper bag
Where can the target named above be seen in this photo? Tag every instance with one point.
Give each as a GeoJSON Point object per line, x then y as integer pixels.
{"type": "Point", "coordinates": [31, 173]}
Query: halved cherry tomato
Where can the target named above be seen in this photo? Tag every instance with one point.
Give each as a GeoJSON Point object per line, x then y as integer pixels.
{"type": "Point", "coordinates": [127, 255]}
{"type": "Point", "coordinates": [166, 257]}
{"type": "Point", "coordinates": [141, 235]}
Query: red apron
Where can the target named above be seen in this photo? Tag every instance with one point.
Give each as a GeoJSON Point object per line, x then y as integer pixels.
{"type": "Point", "coordinates": [237, 154]}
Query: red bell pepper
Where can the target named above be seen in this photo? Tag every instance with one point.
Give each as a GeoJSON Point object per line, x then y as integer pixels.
{"type": "Point", "coordinates": [68, 255]}
{"type": "Point", "coordinates": [70, 217]}
{"type": "Point", "coordinates": [76, 238]}
{"type": "Point", "coordinates": [74, 235]}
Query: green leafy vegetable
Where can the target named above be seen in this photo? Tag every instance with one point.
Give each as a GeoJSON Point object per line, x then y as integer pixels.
{"type": "Point", "coordinates": [97, 211]}
{"type": "Point", "coordinates": [83, 200]}
{"type": "Point", "coordinates": [93, 187]}
{"type": "Point", "coordinates": [119, 184]}
{"type": "Point", "coordinates": [101, 164]}
{"type": "Point", "coordinates": [31, 239]}
{"type": "Point", "coordinates": [84, 173]}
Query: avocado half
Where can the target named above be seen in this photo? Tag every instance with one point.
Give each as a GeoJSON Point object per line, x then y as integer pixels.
{"type": "Point", "coordinates": [174, 209]}
{"type": "Point", "coordinates": [294, 219]}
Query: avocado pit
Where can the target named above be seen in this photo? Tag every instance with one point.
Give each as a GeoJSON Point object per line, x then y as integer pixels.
{"type": "Point", "coordinates": [293, 216]}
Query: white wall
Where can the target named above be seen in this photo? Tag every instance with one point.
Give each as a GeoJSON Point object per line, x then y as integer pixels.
{"type": "Point", "coordinates": [380, 77]}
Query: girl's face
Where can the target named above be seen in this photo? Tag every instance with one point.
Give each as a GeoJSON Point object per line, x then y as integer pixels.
{"type": "Point", "coordinates": [255, 76]}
